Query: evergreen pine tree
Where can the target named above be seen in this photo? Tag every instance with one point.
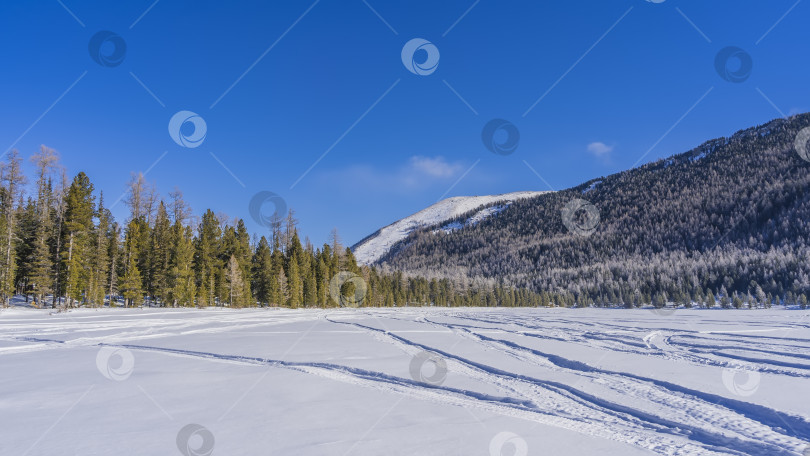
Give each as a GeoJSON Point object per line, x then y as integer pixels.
{"type": "Point", "coordinates": [78, 226]}
{"type": "Point", "coordinates": [295, 285]}
{"type": "Point", "coordinates": [99, 264]}
{"type": "Point", "coordinates": [206, 263]}
{"type": "Point", "coordinates": [40, 259]}
{"type": "Point", "coordinates": [262, 272]}
{"type": "Point", "coordinates": [131, 285]}
{"type": "Point", "coordinates": [323, 279]}
{"type": "Point", "coordinates": [158, 254]}
{"type": "Point", "coordinates": [114, 253]}
{"type": "Point", "coordinates": [26, 243]}
{"type": "Point", "coordinates": [283, 288]}
{"type": "Point", "coordinates": [13, 180]}
{"type": "Point", "coordinates": [277, 288]}
{"type": "Point", "coordinates": [182, 274]}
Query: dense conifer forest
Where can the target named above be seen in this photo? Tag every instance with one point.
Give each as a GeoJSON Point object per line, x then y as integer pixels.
{"type": "Point", "coordinates": [61, 247]}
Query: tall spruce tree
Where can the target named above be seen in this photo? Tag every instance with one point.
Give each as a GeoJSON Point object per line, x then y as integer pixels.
{"type": "Point", "coordinates": [131, 285]}
{"type": "Point", "coordinates": [77, 230]}
{"type": "Point", "coordinates": [182, 280]}
{"type": "Point", "coordinates": [262, 272]}
{"type": "Point", "coordinates": [26, 244]}
{"type": "Point", "coordinates": [12, 182]}
{"type": "Point", "coordinates": [114, 249]}
{"type": "Point", "coordinates": [41, 259]}
{"type": "Point", "coordinates": [158, 254]}
{"type": "Point", "coordinates": [206, 263]}
{"type": "Point", "coordinates": [99, 254]}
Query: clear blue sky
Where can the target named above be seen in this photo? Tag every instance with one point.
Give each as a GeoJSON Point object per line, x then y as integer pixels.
{"type": "Point", "coordinates": [607, 102]}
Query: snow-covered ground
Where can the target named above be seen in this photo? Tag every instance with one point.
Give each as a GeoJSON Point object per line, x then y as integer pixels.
{"type": "Point", "coordinates": [374, 247]}
{"type": "Point", "coordinates": [404, 382]}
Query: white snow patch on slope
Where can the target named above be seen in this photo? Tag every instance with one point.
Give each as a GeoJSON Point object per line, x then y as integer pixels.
{"type": "Point", "coordinates": [592, 186]}
{"type": "Point", "coordinates": [376, 246]}
{"type": "Point", "coordinates": [474, 220]}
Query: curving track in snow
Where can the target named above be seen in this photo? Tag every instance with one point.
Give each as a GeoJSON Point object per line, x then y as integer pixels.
{"type": "Point", "coordinates": [540, 366]}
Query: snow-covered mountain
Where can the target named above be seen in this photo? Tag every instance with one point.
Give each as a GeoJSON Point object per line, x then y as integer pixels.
{"type": "Point", "coordinates": [374, 247]}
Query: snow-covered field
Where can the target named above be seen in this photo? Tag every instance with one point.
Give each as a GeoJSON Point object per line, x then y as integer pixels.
{"type": "Point", "coordinates": [404, 382]}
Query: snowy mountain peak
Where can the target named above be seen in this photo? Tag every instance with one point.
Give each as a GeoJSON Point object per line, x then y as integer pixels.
{"type": "Point", "coordinates": [374, 247]}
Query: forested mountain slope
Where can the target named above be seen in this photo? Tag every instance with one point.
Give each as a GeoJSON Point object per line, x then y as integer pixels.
{"type": "Point", "coordinates": [730, 219]}
{"type": "Point", "coordinates": [477, 208]}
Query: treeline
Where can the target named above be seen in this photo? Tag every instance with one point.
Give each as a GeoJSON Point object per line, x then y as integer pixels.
{"type": "Point", "coordinates": [60, 245]}
{"type": "Point", "coordinates": [725, 224]}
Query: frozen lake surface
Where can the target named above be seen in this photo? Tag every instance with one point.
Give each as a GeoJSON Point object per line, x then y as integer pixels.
{"type": "Point", "coordinates": [404, 382]}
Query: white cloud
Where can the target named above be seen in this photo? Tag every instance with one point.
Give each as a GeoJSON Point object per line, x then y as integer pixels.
{"type": "Point", "coordinates": [599, 149]}
{"type": "Point", "coordinates": [435, 166]}
{"type": "Point", "coordinates": [414, 174]}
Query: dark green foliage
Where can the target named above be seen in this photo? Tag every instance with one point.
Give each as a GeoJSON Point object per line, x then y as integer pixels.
{"type": "Point", "coordinates": [158, 256]}
{"type": "Point", "coordinates": [263, 274]}
{"type": "Point", "coordinates": [181, 272]}
{"type": "Point", "coordinates": [77, 231]}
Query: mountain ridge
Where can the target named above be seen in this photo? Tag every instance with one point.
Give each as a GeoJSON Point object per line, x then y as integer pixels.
{"type": "Point", "coordinates": [378, 244]}
{"type": "Point", "coordinates": [729, 215]}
